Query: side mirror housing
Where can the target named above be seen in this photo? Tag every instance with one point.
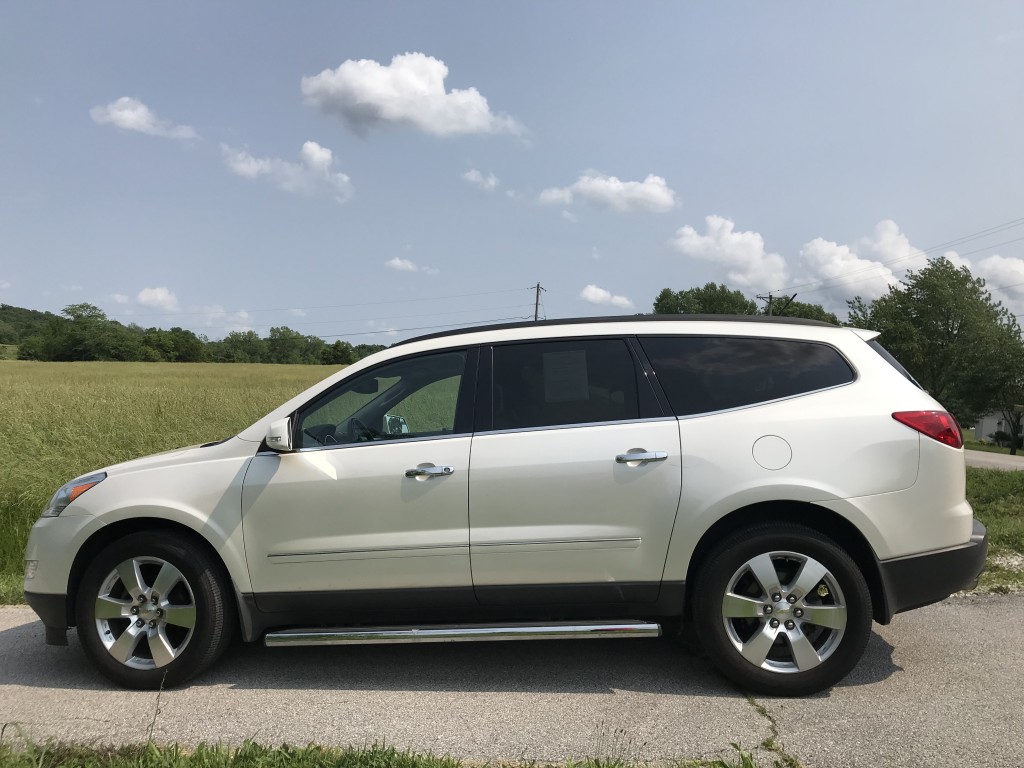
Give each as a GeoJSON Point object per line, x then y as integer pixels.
{"type": "Point", "coordinates": [279, 436]}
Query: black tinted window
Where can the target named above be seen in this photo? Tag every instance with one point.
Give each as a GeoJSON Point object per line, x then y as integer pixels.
{"type": "Point", "coordinates": [711, 373]}
{"type": "Point", "coordinates": [563, 382]}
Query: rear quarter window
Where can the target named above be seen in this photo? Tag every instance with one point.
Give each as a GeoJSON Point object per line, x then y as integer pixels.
{"type": "Point", "coordinates": [702, 374]}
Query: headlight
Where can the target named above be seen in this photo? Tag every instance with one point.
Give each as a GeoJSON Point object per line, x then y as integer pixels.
{"type": "Point", "coordinates": [71, 491]}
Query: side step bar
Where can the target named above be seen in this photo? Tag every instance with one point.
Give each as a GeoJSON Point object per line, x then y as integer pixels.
{"type": "Point", "coordinates": [457, 633]}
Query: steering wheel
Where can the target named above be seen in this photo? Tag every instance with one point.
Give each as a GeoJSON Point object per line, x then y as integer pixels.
{"type": "Point", "coordinates": [359, 432]}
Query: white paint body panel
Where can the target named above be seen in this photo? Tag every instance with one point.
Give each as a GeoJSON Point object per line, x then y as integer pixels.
{"type": "Point", "coordinates": [552, 506]}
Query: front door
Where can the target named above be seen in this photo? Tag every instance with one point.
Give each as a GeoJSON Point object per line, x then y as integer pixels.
{"type": "Point", "coordinates": [373, 503]}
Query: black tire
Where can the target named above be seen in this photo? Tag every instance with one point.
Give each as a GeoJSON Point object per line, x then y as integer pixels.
{"type": "Point", "coordinates": [182, 632]}
{"type": "Point", "coordinates": [799, 657]}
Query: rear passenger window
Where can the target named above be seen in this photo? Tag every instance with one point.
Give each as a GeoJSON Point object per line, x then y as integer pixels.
{"type": "Point", "coordinates": [701, 374]}
{"type": "Point", "coordinates": [563, 382]}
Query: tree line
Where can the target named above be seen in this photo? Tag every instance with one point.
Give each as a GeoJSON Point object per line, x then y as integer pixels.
{"type": "Point", "coordinates": [83, 332]}
{"type": "Point", "coordinates": [941, 323]}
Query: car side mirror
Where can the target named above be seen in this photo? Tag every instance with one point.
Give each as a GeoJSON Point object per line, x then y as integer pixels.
{"type": "Point", "coordinates": [279, 435]}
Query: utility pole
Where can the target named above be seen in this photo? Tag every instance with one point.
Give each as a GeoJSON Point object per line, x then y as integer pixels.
{"type": "Point", "coordinates": [770, 304]}
{"type": "Point", "coordinates": [536, 303]}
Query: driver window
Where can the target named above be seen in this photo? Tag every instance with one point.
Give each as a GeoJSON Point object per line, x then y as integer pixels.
{"type": "Point", "coordinates": [416, 397]}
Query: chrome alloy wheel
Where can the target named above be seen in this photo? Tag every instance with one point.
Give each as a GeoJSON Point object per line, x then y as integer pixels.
{"type": "Point", "coordinates": [145, 613]}
{"type": "Point", "coordinates": [784, 612]}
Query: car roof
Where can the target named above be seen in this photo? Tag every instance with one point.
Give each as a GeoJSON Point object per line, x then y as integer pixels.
{"type": "Point", "coordinates": [620, 319]}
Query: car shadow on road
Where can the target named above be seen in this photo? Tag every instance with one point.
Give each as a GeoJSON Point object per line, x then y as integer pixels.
{"type": "Point", "coordinates": [571, 666]}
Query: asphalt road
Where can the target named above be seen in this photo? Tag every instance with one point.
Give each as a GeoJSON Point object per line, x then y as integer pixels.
{"type": "Point", "coordinates": [987, 460]}
{"type": "Point", "coordinates": [941, 686]}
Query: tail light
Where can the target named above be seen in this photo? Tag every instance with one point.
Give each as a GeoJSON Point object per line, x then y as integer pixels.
{"type": "Point", "coordinates": [938, 425]}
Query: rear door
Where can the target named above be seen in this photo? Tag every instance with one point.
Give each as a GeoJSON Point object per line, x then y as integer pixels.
{"type": "Point", "coordinates": [559, 511]}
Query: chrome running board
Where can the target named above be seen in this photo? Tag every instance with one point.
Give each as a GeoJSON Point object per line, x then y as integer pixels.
{"type": "Point", "coordinates": [457, 633]}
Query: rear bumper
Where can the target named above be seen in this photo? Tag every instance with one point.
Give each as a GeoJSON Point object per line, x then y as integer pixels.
{"type": "Point", "coordinates": [918, 580]}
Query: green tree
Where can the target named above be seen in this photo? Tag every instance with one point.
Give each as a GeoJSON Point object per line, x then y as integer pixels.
{"type": "Point", "coordinates": [945, 328]}
{"type": "Point", "coordinates": [712, 299]}
{"type": "Point", "coordinates": [807, 312]}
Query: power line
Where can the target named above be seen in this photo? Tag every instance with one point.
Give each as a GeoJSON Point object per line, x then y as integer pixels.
{"type": "Point", "coordinates": [426, 327]}
{"type": "Point", "coordinates": [339, 306]}
{"type": "Point", "coordinates": [830, 282]}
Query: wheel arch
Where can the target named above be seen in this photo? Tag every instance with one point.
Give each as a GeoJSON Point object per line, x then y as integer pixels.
{"type": "Point", "coordinates": [825, 521]}
{"type": "Point", "coordinates": [118, 530]}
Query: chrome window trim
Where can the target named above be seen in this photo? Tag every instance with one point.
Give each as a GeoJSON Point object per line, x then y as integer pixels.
{"type": "Point", "coordinates": [397, 441]}
{"type": "Point", "coordinates": [574, 426]}
{"type": "Point", "coordinates": [761, 403]}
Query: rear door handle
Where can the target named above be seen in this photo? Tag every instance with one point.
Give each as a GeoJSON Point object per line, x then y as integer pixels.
{"type": "Point", "coordinates": [645, 456]}
{"type": "Point", "coordinates": [429, 471]}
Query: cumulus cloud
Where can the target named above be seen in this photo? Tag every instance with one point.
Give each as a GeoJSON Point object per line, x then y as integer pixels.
{"type": "Point", "coordinates": [651, 194]}
{"type": "Point", "coordinates": [158, 298]}
{"type": "Point", "coordinates": [600, 296]}
{"type": "Point", "coordinates": [314, 174]}
{"type": "Point", "coordinates": [408, 91]}
{"type": "Point", "coordinates": [120, 298]}
{"type": "Point", "coordinates": [487, 183]}
{"type": "Point", "coordinates": [132, 115]}
{"type": "Point", "coordinates": [741, 256]}
{"type": "Point", "coordinates": [407, 265]}
{"type": "Point", "coordinates": [214, 316]}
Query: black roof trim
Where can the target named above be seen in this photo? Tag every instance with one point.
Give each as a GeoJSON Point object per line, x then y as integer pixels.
{"type": "Point", "coordinates": [621, 319]}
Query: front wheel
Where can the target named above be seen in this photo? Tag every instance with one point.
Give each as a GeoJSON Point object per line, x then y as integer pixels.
{"type": "Point", "coordinates": [154, 610]}
{"type": "Point", "coordinates": [782, 609]}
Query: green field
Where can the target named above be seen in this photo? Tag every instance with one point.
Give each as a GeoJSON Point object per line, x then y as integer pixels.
{"type": "Point", "coordinates": [60, 420]}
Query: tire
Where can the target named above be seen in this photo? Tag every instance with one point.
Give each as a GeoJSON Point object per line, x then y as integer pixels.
{"type": "Point", "coordinates": [154, 610]}
{"type": "Point", "coordinates": [772, 646]}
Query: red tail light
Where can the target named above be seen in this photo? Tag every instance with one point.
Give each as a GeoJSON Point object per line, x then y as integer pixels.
{"type": "Point", "coordinates": [938, 425]}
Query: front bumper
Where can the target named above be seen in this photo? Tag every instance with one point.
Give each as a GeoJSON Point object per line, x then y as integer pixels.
{"type": "Point", "coordinates": [54, 612]}
{"type": "Point", "coordinates": [918, 580]}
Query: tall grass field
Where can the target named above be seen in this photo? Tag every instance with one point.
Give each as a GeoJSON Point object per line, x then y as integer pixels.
{"type": "Point", "coordinates": [60, 420]}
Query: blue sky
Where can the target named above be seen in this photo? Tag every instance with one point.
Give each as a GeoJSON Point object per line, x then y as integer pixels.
{"type": "Point", "coordinates": [353, 170]}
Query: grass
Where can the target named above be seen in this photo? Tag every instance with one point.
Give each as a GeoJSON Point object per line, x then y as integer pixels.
{"type": "Point", "coordinates": [975, 445]}
{"type": "Point", "coordinates": [253, 755]}
{"type": "Point", "coordinates": [998, 500]}
{"type": "Point", "coordinates": [8, 352]}
{"type": "Point", "coordinates": [60, 420]}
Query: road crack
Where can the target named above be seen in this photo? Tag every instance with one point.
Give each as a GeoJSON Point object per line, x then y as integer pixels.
{"type": "Point", "coordinates": [773, 744]}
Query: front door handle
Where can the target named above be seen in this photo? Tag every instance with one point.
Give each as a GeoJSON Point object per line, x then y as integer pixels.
{"type": "Point", "coordinates": [427, 472]}
{"type": "Point", "coordinates": [645, 456]}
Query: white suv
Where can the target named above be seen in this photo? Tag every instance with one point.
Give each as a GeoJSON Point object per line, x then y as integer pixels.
{"type": "Point", "coordinates": [771, 486]}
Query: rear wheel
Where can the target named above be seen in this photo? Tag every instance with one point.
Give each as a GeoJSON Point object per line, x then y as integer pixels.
{"type": "Point", "coordinates": [782, 609]}
{"type": "Point", "coordinates": [153, 610]}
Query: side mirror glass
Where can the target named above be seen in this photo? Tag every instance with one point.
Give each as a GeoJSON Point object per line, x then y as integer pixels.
{"type": "Point", "coordinates": [279, 435]}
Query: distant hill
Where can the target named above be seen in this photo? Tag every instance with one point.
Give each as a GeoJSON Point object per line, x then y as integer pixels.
{"type": "Point", "coordinates": [18, 323]}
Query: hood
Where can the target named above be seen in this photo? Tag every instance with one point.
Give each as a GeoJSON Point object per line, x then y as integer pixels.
{"type": "Point", "coordinates": [229, 448]}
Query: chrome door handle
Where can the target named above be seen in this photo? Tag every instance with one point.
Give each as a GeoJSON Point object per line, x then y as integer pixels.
{"type": "Point", "coordinates": [429, 471]}
{"type": "Point", "coordinates": [626, 458]}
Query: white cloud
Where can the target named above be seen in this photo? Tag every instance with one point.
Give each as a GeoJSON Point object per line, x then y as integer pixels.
{"type": "Point", "coordinates": [596, 295]}
{"type": "Point", "coordinates": [651, 194]}
{"type": "Point", "coordinates": [407, 265]}
{"type": "Point", "coordinates": [132, 115]}
{"type": "Point", "coordinates": [158, 298]}
{"type": "Point", "coordinates": [740, 256]}
{"type": "Point", "coordinates": [570, 216]}
{"type": "Point", "coordinates": [120, 298]}
{"type": "Point", "coordinates": [487, 183]}
{"type": "Point", "coordinates": [216, 317]}
{"type": "Point", "coordinates": [410, 91]}
{"type": "Point", "coordinates": [312, 175]}
{"type": "Point", "coordinates": [297, 312]}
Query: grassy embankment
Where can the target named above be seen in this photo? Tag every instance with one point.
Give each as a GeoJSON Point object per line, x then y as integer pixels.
{"type": "Point", "coordinates": [252, 755]}
{"type": "Point", "coordinates": [59, 420]}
